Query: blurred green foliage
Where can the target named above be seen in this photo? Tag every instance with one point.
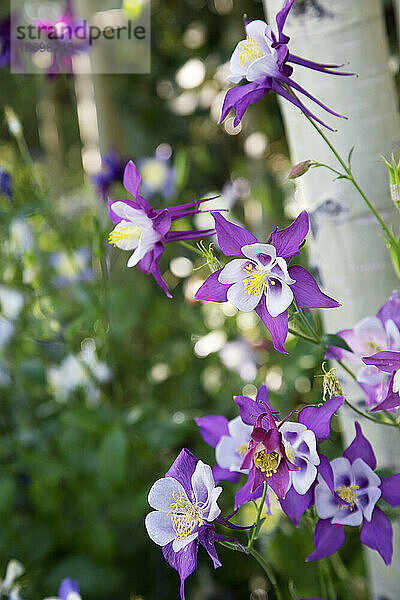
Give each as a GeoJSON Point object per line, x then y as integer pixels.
{"type": "Point", "coordinates": [76, 470]}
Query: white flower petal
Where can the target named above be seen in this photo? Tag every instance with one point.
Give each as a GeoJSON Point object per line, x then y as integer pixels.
{"type": "Point", "coordinates": [239, 430]}
{"type": "Point", "coordinates": [268, 252]}
{"type": "Point", "coordinates": [302, 480]}
{"type": "Point", "coordinates": [279, 297]}
{"type": "Point", "coordinates": [265, 66]}
{"type": "Point", "coordinates": [342, 472]}
{"type": "Point", "coordinates": [227, 455]}
{"type": "Point", "coordinates": [233, 271]}
{"type": "Point", "coordinates": [325, 503]}
{"type": "Point", "coordinates": [159, 527]}
{"type": "Point", "coordinates": [180, 543]}
{"type": "Point", "coordinates": [126, 212]}
{"type": "Point", "coordinates": [163, 493]}
{"type": "Point", "coordinates": [281, 270]}
{"type": "Point", "coordinates": [345, 516]}
{"type": "Point", "coordinates": [241, 299]}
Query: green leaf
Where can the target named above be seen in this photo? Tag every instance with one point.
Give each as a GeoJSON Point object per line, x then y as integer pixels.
{"type": "Point", "coordinates": [330, 339]}
{"type": "Point", "coordinates": [350, 156]}
{"type": "Point", "coordinates": [112, 459]}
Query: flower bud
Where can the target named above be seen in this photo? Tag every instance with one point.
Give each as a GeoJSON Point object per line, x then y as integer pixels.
{"type": "Point", "coordinates": [299, 169]}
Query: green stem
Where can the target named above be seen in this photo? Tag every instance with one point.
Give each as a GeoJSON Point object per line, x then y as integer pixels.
{"type": "Point", "coordinates": [360, 412]}
{"type": "Point", "coordinates": [267, 570]}
{"type": "Point", "coordinates": [254, 532]}
{"type": "Point", "coordinates": [302, 336]}
{"type": "Point", "coordinates": [351, 178]}
{"type": "Point", "coordinates": [192, 248]}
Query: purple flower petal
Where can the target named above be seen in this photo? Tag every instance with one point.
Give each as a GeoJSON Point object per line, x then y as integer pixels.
{"type": "Point", "coordinates": [277, 326]}
{"type": "Point", "coordinates": [67, 585]}
{"type": "Point", "coordinates": [249, 409]}
{"type": "Point", "coordinates": [288, 241]}
{"type": "Point", "coordinates": [207, 539]}
{"type": "Point", "coordinates": [184, 561]}
{"type": "Point", "coordinates": [245, 494]}
{"type": "Point", "coordinates": [234, 95]}
{"type": "Point", "coordinates": [385, 361]}
{"type": "Point", "coordinates": [132, 179]}
{"type": "Point", "coordinates": [155, 270]}
{"type": "Point", "coordinates": [295, 505]}
{"type": "Point", "coordinates": [310, 64]}
{"type": "Point", "coordinates": [307, 292]}
{"type": "Point", "coordinates": [277, 87]}
{"type": "Point", "coordinates": [221, 474]}
{"type": "Point", "coordinates": [281, 20]}
{"type": "Point", "coordinates": [212, 289]}
{"type": "Point", "coordinates": [326, 472]}
{"type": "Point", "coordinates": [280, 481]}
{"type": "Point", "coordinates": [183, 468]}
{"type": "Point", "coordinates": [162, 222]}
{"type": "Point", "coordinates": [391, 309]}
{"type": "Point", "coordinates": [390, 488]}
{"type": "Point", "coordinates": [231, 238]}
{"type": "Point", "coordinates": [318, 418]}
{"type": "Point", "coordinates": [377, 534]}
{"type": "Point", "coordinates": [328, 539]}
{"type": "Point", "coordinates": [212, 428]}
{"type": "Point", "coordinates": [360, 448]}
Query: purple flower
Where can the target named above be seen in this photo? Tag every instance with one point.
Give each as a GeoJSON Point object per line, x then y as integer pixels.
{"type": "Point", "coordinates": [185, 503]}
{"type": "Point", "coordinates": [144, 230]}
{"type": "Point", "coordinates": [261, 279]}
{"type": "Point", "coordinates": [69, 590]}
{"type": "Point", "coordinates": [157, 174]}
{"type": "Point", "coordinates": [371, 335]}
{"type": "Point", "coordinates": [5, 183]}
{"type": "Point", "coordinates": [357, 489]}
{"type": "Point", "coordinates": [112, 171]}
{"type": "Point", "coordinates": [295, 461]}
{"type": "Point", "coordinates": [387, 362]}
{"type": "Point", "coordinates": [263, 60]}
{"type": "Point", "coordinates": [5, 41]}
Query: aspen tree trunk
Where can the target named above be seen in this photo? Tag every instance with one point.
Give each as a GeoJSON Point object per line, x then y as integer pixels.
{"type": "Point", "coordinates": [346, 247]}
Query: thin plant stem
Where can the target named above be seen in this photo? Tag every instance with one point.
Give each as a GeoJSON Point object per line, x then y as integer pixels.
{"type": "Point", "coordinates": [192, 248]}
{"type": "Point", "coordinates": [267, 570]}
{"type": "Point", "coordinates": [350, 177]}
{"type": "Point", "coordinates": [302, 336]}
{"type": "Point", "coordinates": [360, 412]}
{"type": "Point", "coordinates": [254, 532]}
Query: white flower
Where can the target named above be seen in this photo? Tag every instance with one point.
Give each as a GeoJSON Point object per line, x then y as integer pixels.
{"type": "Point", "coordinates": [254, 58]}
{"type": "Point", "coordinates": [301, 449]}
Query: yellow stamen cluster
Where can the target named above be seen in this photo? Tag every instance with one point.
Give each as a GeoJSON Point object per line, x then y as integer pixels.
{"type": "Point", "coordinates": [250, 50]}
{"type": "Point", "coordinates": [348, 493]}
{"type": "Point", "coordinates": [267, 463]}
{"type": "Point", "coordinates": [124, 231]}
{"type": "Point", "coordinates": [256, 282]}
{"type": "Point", "coordinates": [184, 515]}
{"type": "Point", "coordinates": [331, 384]}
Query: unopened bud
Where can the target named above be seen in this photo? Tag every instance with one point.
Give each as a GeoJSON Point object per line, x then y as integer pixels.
{"type": "Point", "coordinates": [299, 169]}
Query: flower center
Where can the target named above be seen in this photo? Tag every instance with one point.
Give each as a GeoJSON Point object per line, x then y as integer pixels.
{"type": "Point", "coordinates": [243, 449]}
{"type": "Point", "coordinates": [255, 283]}
{"type": "Point", "coordinates": [374, 347]}
{"type": "Point", "coordinates": [184, 515]}
{"type": "Point", "coordinates": [250, 50]}
{"type": "Point", "coordinates": [267, 463]}
{"type": "Point", "coordinates": [125, 231]}
{"type": "Point", "coordinates": [348, 493]}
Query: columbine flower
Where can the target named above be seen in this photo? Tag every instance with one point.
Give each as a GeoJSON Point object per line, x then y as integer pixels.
{"type": "Point", "coordinates": [369, 336]}
{"type": "Point", "coordinates": [284, 453]}
{"type": "Point", "coordinates": [230, 440]}
{"type": "Point", "coordinates": [387, 362]}
{"type": "Point", "coordinates": [261, 279]}
{"type": "Point", "coordinates": [263, 60]}
{"type": "Point", "coordinates": [357, 489]}
{"type": "Point", "coordinates": [5, 41]}
{"type": "Point", "coordinates": [157, 174]}
{"type": "Point", "coordinates": [112, 171]}
{"type": "Point", "coordinates": [5, 183]}
{"type": "Point", "coordinates": [185, 503]}
{"type": "Point", "coordinates": [145, 230]}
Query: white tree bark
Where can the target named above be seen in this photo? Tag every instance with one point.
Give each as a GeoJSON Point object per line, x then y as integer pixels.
{"type": "Point", "coordinates": [347, 248]}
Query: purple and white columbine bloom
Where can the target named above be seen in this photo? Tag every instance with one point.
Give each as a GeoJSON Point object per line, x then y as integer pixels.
{"type": "Point", "coordinates": [372, 335]}
{"type": "Point", "coordinates": [263, 60]}
{"type": "Point", "coordinates": [144, 231]}
{"type": "Point", "coordinates": [357, 489]}
{"type": "Point", "coordinates": [185, 503]}
{"type": "Point", "coordinates": [69, 590]}
{"type": "Point", "coordinates": [230, 440]}
{"type": "Point", "coordinates": [387, 362]}
{"type": "Point", "coordinates": [261, 279]}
